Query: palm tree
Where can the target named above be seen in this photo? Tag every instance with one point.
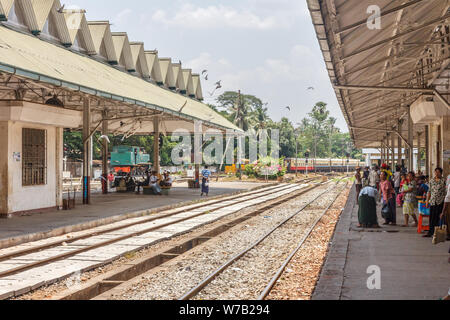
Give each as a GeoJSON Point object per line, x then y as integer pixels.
{"type": "Point", "coordinates": [260, 118]}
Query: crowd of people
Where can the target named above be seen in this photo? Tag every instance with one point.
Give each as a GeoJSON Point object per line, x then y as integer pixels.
{"type": "Point", "coordinates": [402, 189]}
{"type": "Point", "coordinates": [149, 179]}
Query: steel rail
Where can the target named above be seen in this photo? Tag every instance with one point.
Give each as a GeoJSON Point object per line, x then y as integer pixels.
{"type": "Point", "coordinates": [239, 220]}
{"type": "Point", "coordinates": [82, 237]}
{"type": "Point", "coordinates": [280, 271]}
{"type": "Point", "coordinates": [120, 238]}
{"type": "Point", "coordinates": [197, 289]}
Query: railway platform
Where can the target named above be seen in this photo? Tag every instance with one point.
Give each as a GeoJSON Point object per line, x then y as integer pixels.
{"type": "Point", "coordinates": [105, 209]}
{"type": "Point", "coordinates": [409, 266]}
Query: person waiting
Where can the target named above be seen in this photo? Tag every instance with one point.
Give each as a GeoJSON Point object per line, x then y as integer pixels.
{"type": "Point", "coordinates": [167, 180]}
{"type": "Point", "coordinates": [144, 183]}
{"type": "Point", "coordinates": [205, 181]}
{"type": "Point", "coordinates": [154, 183]}
{"type": "Point", "coordinates": [435, 200]}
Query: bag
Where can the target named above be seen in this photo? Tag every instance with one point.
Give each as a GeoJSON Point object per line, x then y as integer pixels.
{"type": "Point", "coordinates": [385, 211]}
{"type": "Point", "coordinates": [440, 233]}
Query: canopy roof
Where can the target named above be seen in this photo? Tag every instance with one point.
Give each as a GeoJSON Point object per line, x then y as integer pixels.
{"type": "Point", "coordinates": [49, 51]}
{"type": "Point", "coordinates": [378, 72]}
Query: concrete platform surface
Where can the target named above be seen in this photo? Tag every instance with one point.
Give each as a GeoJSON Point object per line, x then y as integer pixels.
{"type": "Point", "coordinates": [396, 262]}
{"type": "Point", "coordinates": [105, 209]}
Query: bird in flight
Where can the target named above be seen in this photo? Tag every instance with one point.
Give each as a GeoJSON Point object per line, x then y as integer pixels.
{"type": "Point", "coordinates": [61, 10]}
{"type": "Point", "coordinates": [218, 86]}
{"type": "Point", "coordinates": [289, 108]}
{"type": "Point", "coordinates": [205, 74]}
{"type": "Point", "coordinates": [310, 88]}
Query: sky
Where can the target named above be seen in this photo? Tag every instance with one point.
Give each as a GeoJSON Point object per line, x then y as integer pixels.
{"type": "Point", "coordinates": [267, 48]}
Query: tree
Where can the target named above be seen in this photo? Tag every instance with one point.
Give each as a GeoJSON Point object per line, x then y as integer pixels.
{"type": "Point", "coordinates": [241, 108]}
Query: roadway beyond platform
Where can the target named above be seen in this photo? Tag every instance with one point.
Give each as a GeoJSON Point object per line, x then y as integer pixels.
{"type": "Point", "coordinates": [411, 267]}
{"type": "Point", "coordinates": [105, 209]}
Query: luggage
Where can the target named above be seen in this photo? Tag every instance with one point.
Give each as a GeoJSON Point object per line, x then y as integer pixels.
{"type": "Point", "coordinates": [440, 233]}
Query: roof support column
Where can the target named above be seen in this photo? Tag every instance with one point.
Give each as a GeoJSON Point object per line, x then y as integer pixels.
{"type": "Point", "coordinates": [393, 152]}
{"type": "Point", "coordinates": [419, 152]}
{"type": "Point", "coordinates": [87, 150]}
{"type": "Point", "coordinates": [400, 144]}
{"type": "Point", "coordinates": [410, 142]}
{"type": "Point", "coordinates": [388, 152]}
{"type": "Point", "coordinates": [105, 152]}
{"type": "Point", "coordinates": [198, 154]}
{"type": "Point", "coordinates": [156, 166]}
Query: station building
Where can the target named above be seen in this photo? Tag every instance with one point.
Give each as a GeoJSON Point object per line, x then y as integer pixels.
{"type": "Point", "coordinates": [57, 71]}
{"type": "Point", "coordinates": [388, 62]}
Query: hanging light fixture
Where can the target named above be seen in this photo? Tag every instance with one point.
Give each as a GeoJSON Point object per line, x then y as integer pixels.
{"type": "Point", "coordinates": [54, 101]}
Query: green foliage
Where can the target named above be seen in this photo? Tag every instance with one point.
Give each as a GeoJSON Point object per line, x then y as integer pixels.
{"type": "Point", "coordinates": [316, 133]}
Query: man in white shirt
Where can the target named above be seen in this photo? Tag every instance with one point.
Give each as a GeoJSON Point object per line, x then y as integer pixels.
{"type": "Point", "coordinates": [154, 183]}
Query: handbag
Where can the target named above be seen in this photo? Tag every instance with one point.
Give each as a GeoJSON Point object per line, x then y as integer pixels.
{"type": "Point", "coordinates": [385, 211]}
{"type": "Point", "coordinates": [440, 233]}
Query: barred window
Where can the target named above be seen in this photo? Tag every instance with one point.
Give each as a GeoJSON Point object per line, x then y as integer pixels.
{"type": "Point", "coordinates": [34, 162]}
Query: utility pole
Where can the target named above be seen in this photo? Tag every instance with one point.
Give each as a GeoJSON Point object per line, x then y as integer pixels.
{"type": "Point", "coordinates": [241, 126]}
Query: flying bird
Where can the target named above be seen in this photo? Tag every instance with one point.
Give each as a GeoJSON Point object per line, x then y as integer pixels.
{"type": "Point", "coordinates": [218, 86]}
{"type": "Point", "coordinates": [289, 108]}
{"type": "Point", "coordinates": [204, 71]}
{"type": "Point", "coordinates": [61, 10]}
{"type": "Point", "coordinates": [310, 88]}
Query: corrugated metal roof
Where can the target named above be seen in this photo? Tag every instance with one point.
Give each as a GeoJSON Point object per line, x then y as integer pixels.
{"type": "Point", "coordinates": [40, 60]}
{"type": "Point", "coordinates": [409, 50]}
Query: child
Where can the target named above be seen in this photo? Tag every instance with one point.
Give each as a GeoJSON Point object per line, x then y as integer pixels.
{"type": "Point", "coordinates": [409, 205]}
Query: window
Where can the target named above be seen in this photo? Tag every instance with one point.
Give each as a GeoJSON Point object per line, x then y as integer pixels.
{"type": "Point", "coordinates": [34, 163]}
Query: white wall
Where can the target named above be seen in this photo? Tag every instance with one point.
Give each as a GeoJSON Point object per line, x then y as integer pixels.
{"type": "Point", "coordinates": [25, 198]}
{"type": "Point", "coordinates": [14, 116]}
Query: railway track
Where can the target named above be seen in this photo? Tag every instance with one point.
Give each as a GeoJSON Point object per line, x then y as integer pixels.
{"type": "Point", "coordinates": [27, 269]}
{"type": "Point", "coordinates": [209, 279]}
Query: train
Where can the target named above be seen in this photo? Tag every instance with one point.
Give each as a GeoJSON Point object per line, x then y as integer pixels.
{"type": "Point", "coordinates": [322, 165]}
{"type": "Point", "coordinates": [125, 158]}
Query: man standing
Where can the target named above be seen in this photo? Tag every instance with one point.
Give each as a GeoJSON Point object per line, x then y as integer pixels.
{"type": "Point", "coordinates": [205, 181]}
{"type": "Point", "coordinates": [358, 183]}
{"type": "Point", "coordinates": [435, 199]}
{"type": "Point", "coordinates": [374, 178]}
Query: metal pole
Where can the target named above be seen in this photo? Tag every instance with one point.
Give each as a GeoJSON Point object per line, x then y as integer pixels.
{"type": "Point", "coordinates": [419, 146]}
{"type": "Point", "coordinates": [105, 153]}
{"type": "Point", "coordinates": [393, 152]}
{"type": "Point", "coordinates": [411, 142]}
{"type": "Point", "coordinates": [156, 145]}
{"type": "Point", "coordinates": [241, 126]}
{"type": "Point", "coordinates": [86, 151]}
{"type": "Point", "coordinates": [296, 157]}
